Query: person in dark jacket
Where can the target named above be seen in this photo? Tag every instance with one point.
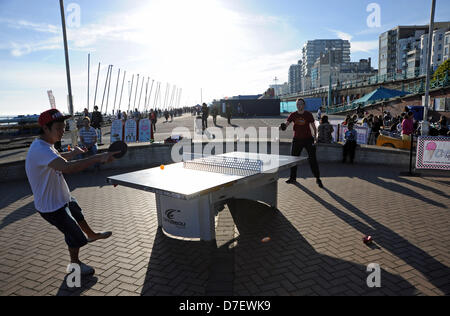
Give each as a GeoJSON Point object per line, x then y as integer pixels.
{"type": "Point", "coordinates": [325, 131]}
{"type": "Point", "coordinates": [96, 122]}
{"type": "Point", "coordinates": [351, 137]}
{"type": "Point", "coordinates": [229, 113]}
{"type": "Point", "coordinates": [214, 113]}
{"type": "Point", "coordinates": [205, 115]}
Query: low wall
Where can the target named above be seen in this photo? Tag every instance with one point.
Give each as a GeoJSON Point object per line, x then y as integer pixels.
{"type": "Point", "coordinates": [148, 156]}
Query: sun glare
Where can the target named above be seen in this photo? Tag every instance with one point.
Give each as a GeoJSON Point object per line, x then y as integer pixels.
{"type": "Point", "coordinates": [194, 40]}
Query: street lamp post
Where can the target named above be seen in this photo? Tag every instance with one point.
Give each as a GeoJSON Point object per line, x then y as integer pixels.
{"type": "Point", "coordinates": [73, 127]}
{"type": "Point", "coordinates": [425, 124]}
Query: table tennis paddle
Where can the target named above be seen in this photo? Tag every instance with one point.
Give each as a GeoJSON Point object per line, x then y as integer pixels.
{"type": "Point", "coordinates": [283, 127]}
{"type": "Point", "coordinates": [118, 146]}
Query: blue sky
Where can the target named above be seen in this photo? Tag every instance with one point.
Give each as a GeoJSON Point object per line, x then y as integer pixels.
{"type": "Point", "coordinates": [225, 47]}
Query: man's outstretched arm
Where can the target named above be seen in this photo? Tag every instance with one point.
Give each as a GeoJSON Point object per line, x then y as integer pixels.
{"type": "Point", "coordinates": [70, 167]}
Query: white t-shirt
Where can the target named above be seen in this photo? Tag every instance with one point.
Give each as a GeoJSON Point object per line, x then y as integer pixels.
{"type": "Point", "coordinates": [49, 187]}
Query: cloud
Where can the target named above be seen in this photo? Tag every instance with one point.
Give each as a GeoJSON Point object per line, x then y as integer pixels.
{"type": "Point", "coordinates": [357, 46]}
{"type": "Point", "coordinates": [364, 46]}
{"type": "Point", "coordinates": [37, 27]}
{"type": "Point", "coordinates": [21, 49]}
{"type": "Point", "coordinates": [342, 35]}
{"type": "Point", "coordinates": [201, 45]}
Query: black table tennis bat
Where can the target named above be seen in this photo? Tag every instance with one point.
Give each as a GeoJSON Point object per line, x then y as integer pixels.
{"type": "Point", "coordinates": [118, 146]}
{"type": "Point", "coordinates": [283, 127]}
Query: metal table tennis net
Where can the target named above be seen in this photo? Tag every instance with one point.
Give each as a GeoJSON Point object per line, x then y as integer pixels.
{"type": "Point", "coordinates": [226, 165]}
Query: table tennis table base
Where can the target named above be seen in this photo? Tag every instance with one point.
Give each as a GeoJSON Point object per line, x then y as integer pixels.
{"type": "Point", "coordinates": [195, 219]}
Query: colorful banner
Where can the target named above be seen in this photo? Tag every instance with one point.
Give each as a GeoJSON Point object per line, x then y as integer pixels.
{"type": "Point", "coordinates": [116, 131]}
{"type": "Point", "coordinates": [145, 127]}
{"type": "Point", "coordinates": [130, 131]}
{"type": "Point", "coordinates": [433, 153]}
{"type": "Point", "coordinates": [51, 98]}
{"type": "Point", "coordinates": [363, 134]}
{"type": "Point", "coordinates": [334, 135]}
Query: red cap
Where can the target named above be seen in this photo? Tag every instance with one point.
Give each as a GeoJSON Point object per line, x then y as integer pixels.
{"type": "Point", "coordinates": [50, 116]}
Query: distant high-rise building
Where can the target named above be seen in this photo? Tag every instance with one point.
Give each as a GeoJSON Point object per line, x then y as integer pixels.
{"type": "Point", "coordinates": [313, 49]}
{"type": "Point", "coordinates": [394, 46]}
{"type": "Point", "coordinates": [326, 67]}
{"type": "Point", "coordinates": [403, 47]}
{"type": "Point", "coordinates": [437, 50]}
{"type": "Point", "coordinates": [295, 77]}
{"type": "Point", "coordinates": [280, 89]}
{"type": "Point", "coordinates": [447, 46]}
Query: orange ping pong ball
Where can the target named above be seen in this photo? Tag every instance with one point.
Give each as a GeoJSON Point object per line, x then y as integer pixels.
{"type": "Point", "coordinates": [162, 167]}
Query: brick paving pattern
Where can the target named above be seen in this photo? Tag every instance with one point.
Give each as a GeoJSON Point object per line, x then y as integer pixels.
{"type": "Point", "coordinates": [316, 243]}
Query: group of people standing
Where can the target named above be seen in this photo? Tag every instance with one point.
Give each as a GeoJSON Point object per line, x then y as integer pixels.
{"type": "Point", "coordinates": [214, 112]}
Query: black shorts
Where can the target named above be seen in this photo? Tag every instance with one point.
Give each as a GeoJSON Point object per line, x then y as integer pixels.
{"type": "Point", "coordinates": [66, 219]}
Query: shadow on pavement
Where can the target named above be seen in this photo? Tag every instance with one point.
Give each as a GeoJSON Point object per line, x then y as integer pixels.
{"type": "Point", "coordinates": [18, 215]}
{"type": "Point", "coordinates": [86, 284]}
{"type": "Point", "coordinates": [177, 268]}
{"type": "Point", "coordinates": [244, 266]}
{"type": "Point", "coordinates": [11, 154]}
{"type": "Point", "coordinates": [403, 190]}
{"type": "Point", "coordinates": [290, 264]}
{"type": "Point", "coordinates": [426, 187]}
{"type": "Point", "coordinates": [12, 193]}
{"type": "Point", "coordinates": [386, 238]}
{"type": "Point", "coordinates": [374, 175]}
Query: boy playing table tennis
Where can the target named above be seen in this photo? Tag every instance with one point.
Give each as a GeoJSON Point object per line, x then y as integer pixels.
{"type": "Point", "coordinates": [45, 167]}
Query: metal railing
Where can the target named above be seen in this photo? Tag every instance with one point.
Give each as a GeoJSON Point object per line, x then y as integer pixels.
{"type": "Point", "coordinates": [413, 88]}
{"type": "Point", "coordinates": [377, 79]}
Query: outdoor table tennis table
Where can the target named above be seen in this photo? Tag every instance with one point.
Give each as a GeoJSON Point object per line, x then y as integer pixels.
{"type": "Point", "coordinates": [190, 194]}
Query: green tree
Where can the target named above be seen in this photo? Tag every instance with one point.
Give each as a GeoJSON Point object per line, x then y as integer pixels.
{"type": "Point", "coordinates": [442, 71]}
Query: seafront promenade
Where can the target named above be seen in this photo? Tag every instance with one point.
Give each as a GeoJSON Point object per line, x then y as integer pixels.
{"type": "Point", "coordinates": [315, 247]}
{"type": "Point", "coordinates": [316, 243]}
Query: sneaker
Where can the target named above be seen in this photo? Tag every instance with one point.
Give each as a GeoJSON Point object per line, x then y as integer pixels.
{"type": "Point", "coordinates": [291, 181]}
{"type": "Point", "coordinates": [319, 183]}
{"type": "Point", "coordinates": [86, 270]}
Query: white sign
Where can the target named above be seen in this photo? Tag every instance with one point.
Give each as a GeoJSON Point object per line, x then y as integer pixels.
{"type": "Point", "coordinates": [439, 104]}
{"type": "Point", "coordinates": [130, 131]}
{"type": "Point", "coordinates": [334, 135]}
{"type": "Point", "coordinates": [363, 134]}
{"type": "Point", "coordinates": [433, 153]}
{"type": "Point", "coordinates": [116, 131]}
{"type": "Point", "coordinates": [145, 128]}
{"type": "Point", "coordinates": [51, 98]}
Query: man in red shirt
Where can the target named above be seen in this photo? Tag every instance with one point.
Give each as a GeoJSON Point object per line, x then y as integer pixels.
{"type": "Point", "coordinates": [304, 127]}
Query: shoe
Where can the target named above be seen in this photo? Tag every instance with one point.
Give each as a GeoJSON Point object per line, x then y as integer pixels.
{"type": "Point", "coordinates": [102, 236]}
{"type": "Point", "coordinates": [86, 270]}
{"type": "Point", "coordinates": [319, 183]}
{"type": "Point", "coordinates": [291, 181]}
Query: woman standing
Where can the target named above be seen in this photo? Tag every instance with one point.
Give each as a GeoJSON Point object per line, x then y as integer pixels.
{"type": "Point", "coordinates": [325, 131]}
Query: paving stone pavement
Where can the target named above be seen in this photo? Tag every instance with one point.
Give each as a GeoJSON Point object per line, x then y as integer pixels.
{"type": "Point", "coordinates": [316, 243]}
